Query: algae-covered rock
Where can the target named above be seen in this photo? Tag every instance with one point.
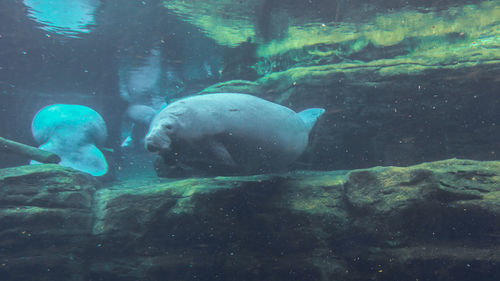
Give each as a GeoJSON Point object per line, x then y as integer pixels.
{"type": "Point", "coordinates": [386, 222]}
{"type": "Point", "coordinates": [46, 186]}
{"type": "Point", "coordinates": [453, 197]}
{"type": "Point", "coordinates": [433, 221]}
{"type": "Point", "coordinates": [393, 37]}
{"type": "Point", "coordinates": [216, 226]}
{"type": "Point", "coordinates": [45, 222]}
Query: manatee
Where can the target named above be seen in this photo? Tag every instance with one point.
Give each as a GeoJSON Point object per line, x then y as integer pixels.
{"type": "Point", "coordinates": [140, 85]}
{"type": "Point", "coordinates": [73, 132]}
{"type": "Point", "coordinates": [136, 123]}
{"type": "Point", "coordinates": [140, 81]}
{"type": "Point", "coordinates": [229, 133]}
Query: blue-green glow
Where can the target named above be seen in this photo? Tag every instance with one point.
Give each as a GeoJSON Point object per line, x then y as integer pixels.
{"type": "Point", "coordinates": [73, 132]}
{"type": "Point", "coordinates": [68, 18]}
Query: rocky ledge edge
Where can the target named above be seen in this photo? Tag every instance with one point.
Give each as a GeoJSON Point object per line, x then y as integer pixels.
{"type": "Point", "coordinates": [433, 221]}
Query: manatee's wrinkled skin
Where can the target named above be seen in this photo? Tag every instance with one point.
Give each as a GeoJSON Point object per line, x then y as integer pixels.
{"type": "Point", "coordinates": [73, 132]}
{"type": "Point", "coordinates": [225, 134]}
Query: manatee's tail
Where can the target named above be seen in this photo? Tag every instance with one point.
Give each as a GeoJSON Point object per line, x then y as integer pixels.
{"type": "Point", "coordinates": [310, 116]}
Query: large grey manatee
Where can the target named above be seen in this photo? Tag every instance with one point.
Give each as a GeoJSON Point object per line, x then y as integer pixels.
{"type": "Point", "coordinates": [228, 133]}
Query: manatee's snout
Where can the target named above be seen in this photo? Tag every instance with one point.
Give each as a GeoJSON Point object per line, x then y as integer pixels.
{"type": "Point", "coordinates": [157, 144]}
{"type": "Point", "coordinates": [160, 131]}
{"type": "Point", "coordinates": [152, 148]}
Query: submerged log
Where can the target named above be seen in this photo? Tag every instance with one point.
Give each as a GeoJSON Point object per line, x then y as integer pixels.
{"type": "Point", "coordinates": [31, 152]}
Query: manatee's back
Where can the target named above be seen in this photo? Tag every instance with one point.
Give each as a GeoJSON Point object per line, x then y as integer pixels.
{"type": "Point", "coordinates": [65, 119]}
{"type": "Point", "coordinates": [141, 114]}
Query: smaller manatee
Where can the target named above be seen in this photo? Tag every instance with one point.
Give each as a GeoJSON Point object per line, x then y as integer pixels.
{"type": "Point", "coordinates": [136, 123]}
{"type": "Point", "coordinates": [73, 132]}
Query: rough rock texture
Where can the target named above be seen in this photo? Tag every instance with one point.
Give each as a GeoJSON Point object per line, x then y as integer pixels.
{"type": "Point", "coordinates": [434, 221]}
{"type": "Point", "coordinates": [45, 222]}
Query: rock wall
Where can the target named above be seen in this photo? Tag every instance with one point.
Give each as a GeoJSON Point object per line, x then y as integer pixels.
{"type": "Point", "coordinates": [45, 222]}
{"type": "Point", "coordinates": [434, 221]}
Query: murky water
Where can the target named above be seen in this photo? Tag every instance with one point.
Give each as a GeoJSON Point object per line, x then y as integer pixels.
{"type": "Point", "coordinates": [111, 88]}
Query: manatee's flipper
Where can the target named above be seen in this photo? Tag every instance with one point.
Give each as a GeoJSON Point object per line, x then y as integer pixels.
{"type": "Point", "coordinates": [87, 158]}
{"type": "Point", "coordinates": [127, 131]}
{"type": "Point", "coordinates": [221, 153]}
{"type": "Point", "coordinates": [90, 160]}
{"type": "Point", "coordinates": [128, 142]}
{"type": "Point", "coordinates": [310, 116]}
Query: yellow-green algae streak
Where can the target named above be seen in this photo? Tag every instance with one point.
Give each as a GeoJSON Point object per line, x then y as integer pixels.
{"type": "Point", "coordinates": [476, 28]}
{"type": "Point", "coordinates": [388, 29]}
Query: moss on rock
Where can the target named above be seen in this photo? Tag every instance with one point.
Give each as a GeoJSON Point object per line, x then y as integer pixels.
{"type": "Point", "coordinates": [382, 222]}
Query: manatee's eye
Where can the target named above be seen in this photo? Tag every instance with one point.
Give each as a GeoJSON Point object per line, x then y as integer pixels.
{"type": "Point", "coordinates": [167, 126]}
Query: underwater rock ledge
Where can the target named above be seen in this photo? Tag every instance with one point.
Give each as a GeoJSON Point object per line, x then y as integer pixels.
{"type": "Point", "coordinates": [433, 221]}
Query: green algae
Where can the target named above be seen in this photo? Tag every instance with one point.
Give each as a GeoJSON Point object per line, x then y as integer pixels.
{"type": "Point", "coordinates": [232, 24]}
{"type": "Point", "coordinates": [389, 29]}
{"type": "Point", "coordinates": [456, 37]}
